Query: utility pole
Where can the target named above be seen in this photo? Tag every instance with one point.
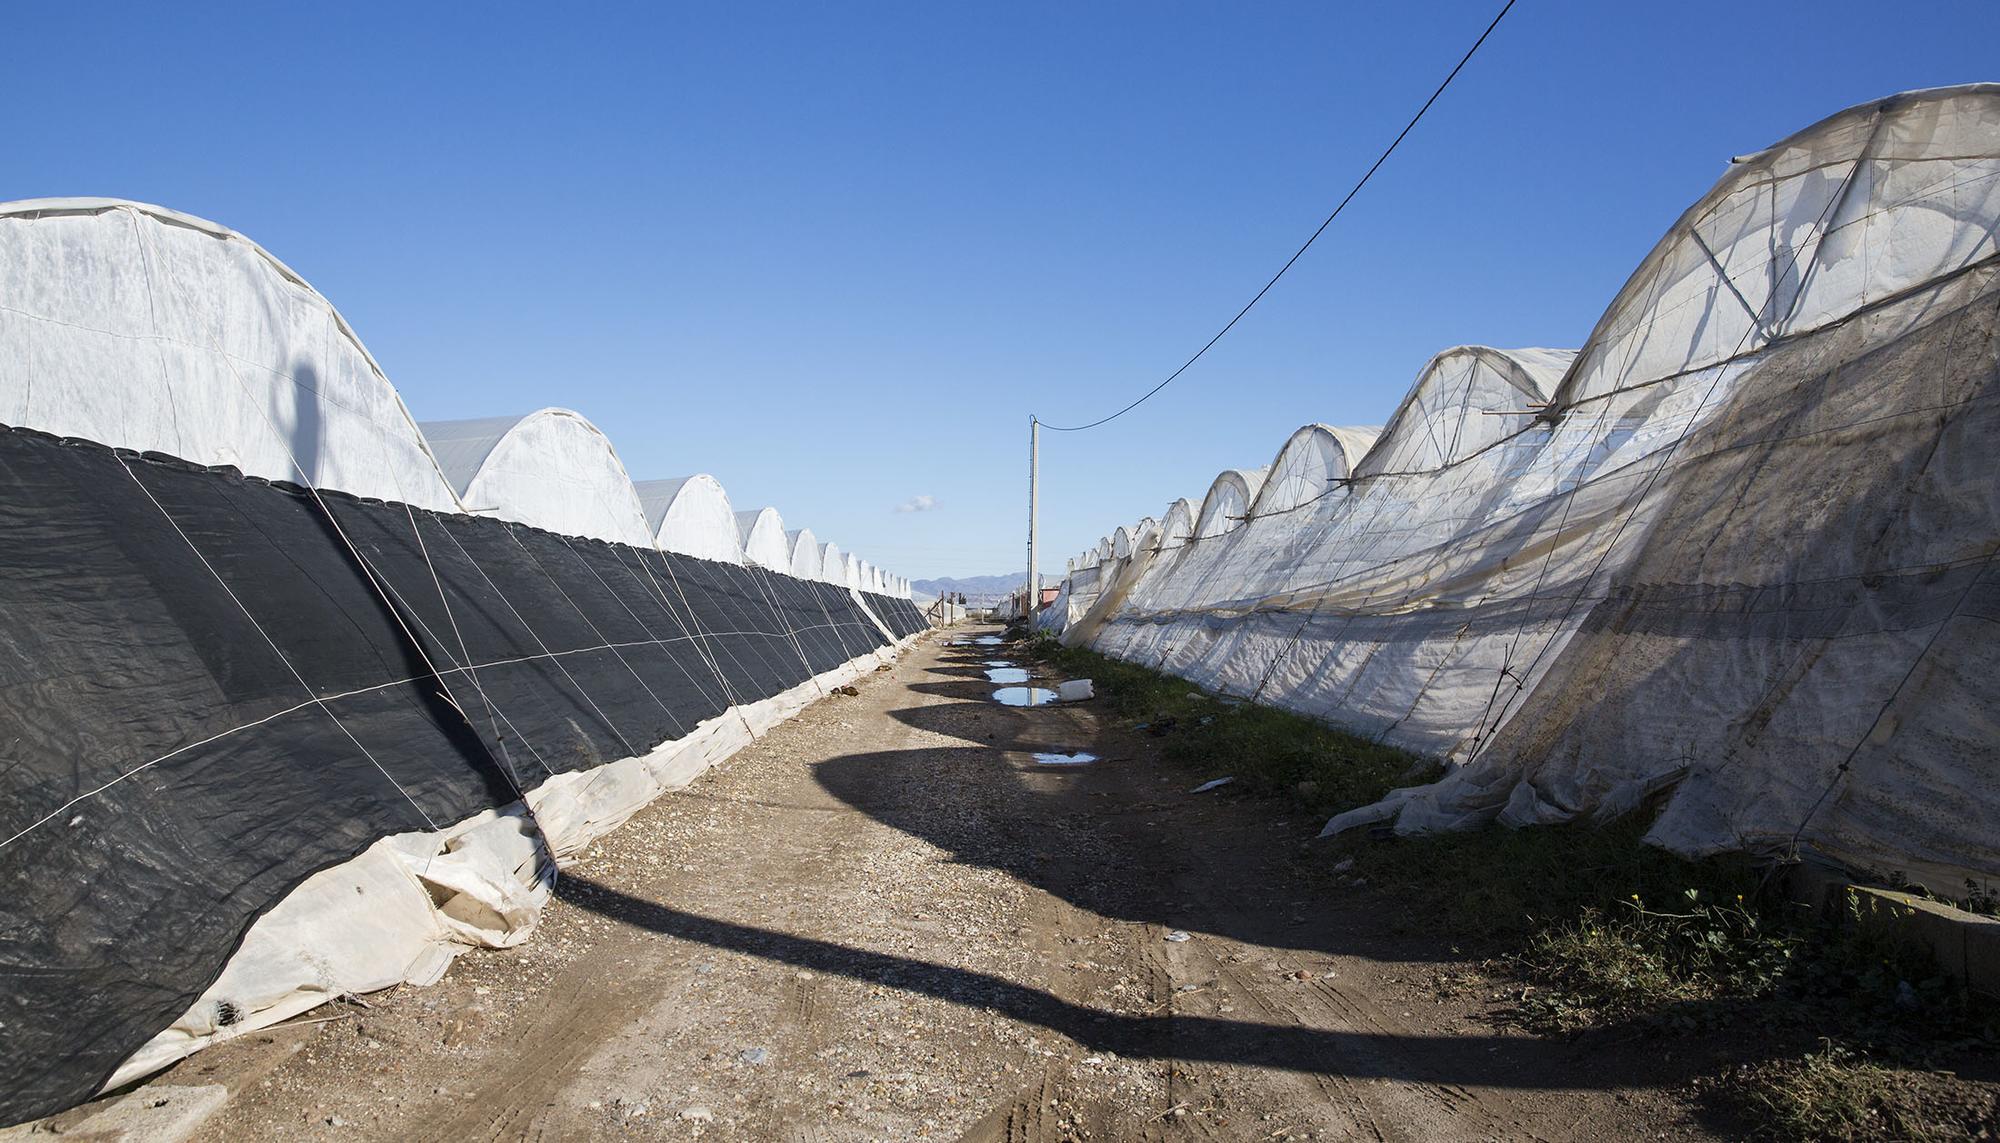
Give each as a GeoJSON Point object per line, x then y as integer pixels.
{"type": "Point", "coordinates": [1034, 598]}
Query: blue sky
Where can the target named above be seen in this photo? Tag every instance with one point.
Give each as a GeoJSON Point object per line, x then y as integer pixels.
{"type": "Point", "coordinates": [836, 254]}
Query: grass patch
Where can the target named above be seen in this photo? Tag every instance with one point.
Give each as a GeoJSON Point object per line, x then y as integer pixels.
{"type": "Point", "coordinates": [1838, 1026]}
{"type": "Point", "coordinates": [1830, 1094]}
{"type": "Point", "coordinates": [1839, 1094]}
{"type": "Point", "coordinates": [1506, 886]}
{"type": "Point", "coordinates": [1267, 751]}
{"type": "Point", "coordinates": [1839, 1022]}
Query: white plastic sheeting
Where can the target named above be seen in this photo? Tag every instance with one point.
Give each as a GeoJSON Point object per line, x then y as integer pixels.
{"type": "Point", "coordinates": [804, 548]}
{"type": "Point", "coordinates": [762, 532]}
{"type": "Point", "coordinates": [692, 515]}
{"type": "Point", "coordinates": [117, 331]}
{"type": "Point", "coordinates": [1177, 526]}
{"type": "Point", "coordinates": [1466, 399]}
{"type": "Point", "coordinates": [1226, 505]}
{"type": "Point", "coordinates": [1853, 211]}
{"type": "Point", "coordinates": [551, 469]}
{"type": "Point", "coordinates": [1312, 462]}
{"type": "Point", "coordinates": [832, 563]}
{"type": "Point", "coordinates": [1742, 561]}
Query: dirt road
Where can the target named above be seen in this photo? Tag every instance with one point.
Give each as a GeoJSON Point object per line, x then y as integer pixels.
{"type": "Point", "coordinates": [887, 921]}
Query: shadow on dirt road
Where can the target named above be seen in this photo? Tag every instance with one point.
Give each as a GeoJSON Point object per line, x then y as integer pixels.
{"type": "Point", "coordinates": [1124, 840]}
{"type": "Point", "coordinates": [1463, 1059]}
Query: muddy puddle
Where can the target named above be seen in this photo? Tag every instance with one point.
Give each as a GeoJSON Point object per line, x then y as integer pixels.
{"type": "Point", "coordinates": [1024, 696]}
{"type": "Point", "coordinates": [1006, 674]}
{"type": "Point", "coordinates": [1080, 758]}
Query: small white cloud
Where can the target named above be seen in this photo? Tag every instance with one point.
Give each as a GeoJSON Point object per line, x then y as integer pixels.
{"type": "Point", "coordinates": [918, 504]}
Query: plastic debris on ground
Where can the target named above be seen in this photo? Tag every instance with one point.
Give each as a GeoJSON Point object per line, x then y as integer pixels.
{"type": "Point", "coordinates": [1075, 690]}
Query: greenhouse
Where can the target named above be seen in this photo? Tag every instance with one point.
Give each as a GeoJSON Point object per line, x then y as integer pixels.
{"type": "Point", "coordinates": [304, 699]}
{"type": "Point", "coordinates": [691, 515]}
{"type": "Point", "coordinates": [1723, 554]}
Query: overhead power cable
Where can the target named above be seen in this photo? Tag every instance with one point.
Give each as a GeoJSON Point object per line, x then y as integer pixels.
{"type": "Point", "coordinates": [1300, 252]}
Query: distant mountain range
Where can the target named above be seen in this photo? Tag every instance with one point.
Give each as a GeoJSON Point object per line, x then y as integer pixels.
{"type": "Point", "coordinates": [979, 589]}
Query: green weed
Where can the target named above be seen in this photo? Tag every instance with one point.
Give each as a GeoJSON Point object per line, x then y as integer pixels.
{"type": "Point", "coordinates": [1266, 751]}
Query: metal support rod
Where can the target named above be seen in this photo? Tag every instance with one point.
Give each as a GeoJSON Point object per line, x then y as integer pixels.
{"type": "Point", "coordinates": [1034, 596]}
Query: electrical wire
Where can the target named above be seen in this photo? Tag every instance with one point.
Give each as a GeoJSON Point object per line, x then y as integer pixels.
{"type": "Point", "coordinates": [1300, 252]}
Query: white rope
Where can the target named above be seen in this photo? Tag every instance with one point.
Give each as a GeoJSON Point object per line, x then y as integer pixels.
{"type": "Point", "coordinates": [715, 664]}
{"type": "Point", "coordinates": [464, 652]}
{"type": "Point", "coordinates": [715, 636]}
{"type": "Point", "coordinates": [652, 583]}
{"type": "Point", "coordinates": [274, 648]}
{"type": "Point", "coordinates": [770, 597]}
{"type": "Point", "coordinates": [838, 626]}
{"type": "Point", "coordinates": [368, 570]}
{"type": "Point", "coordinates": [375, 689]}
{"type": "Point", "coordinates": [532, 634]}
{"type": "Point", "coordinates": [680, 731]}
{"type": "Point", "coordinates": [174, 753]}
{"type": "Point", "coordinates": [603, 641]}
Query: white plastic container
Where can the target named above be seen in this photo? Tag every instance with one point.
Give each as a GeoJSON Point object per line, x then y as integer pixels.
{"type": "Point", "coordinates": [1075, 690]}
